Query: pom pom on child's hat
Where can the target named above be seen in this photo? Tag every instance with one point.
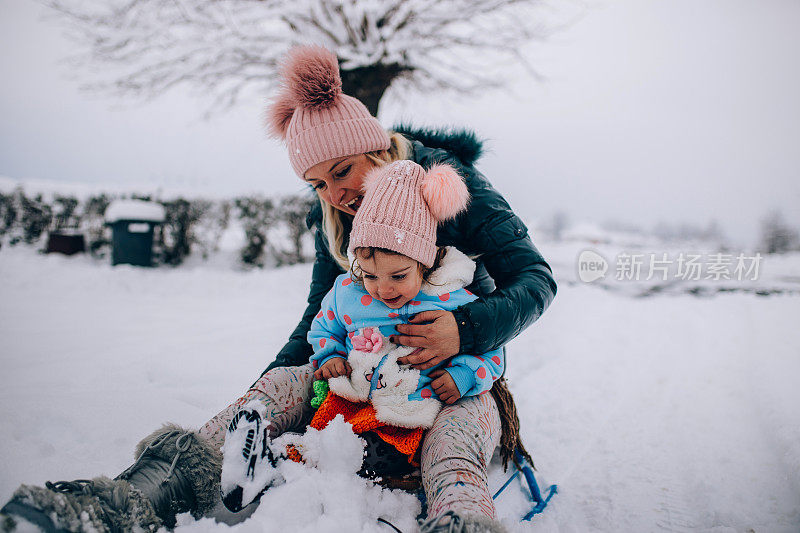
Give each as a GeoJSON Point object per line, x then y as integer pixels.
{"type": "Point", "coordinates": [403, 204]}
{"type": "Point", "coordinates": [314, 117]}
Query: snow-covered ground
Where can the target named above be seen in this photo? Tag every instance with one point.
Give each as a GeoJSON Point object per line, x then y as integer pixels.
{"type": "Point", "coordinates": [670, 412]}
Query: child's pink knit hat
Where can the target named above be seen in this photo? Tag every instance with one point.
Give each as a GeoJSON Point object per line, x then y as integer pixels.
{"type": "Point", "coordinates": [402, 206]}
{"type": "Point", "coordinates": [318, 121]}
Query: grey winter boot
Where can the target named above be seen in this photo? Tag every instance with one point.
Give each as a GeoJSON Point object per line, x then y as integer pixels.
{"type": "Point", "coordinates": [175, 472]}
{"type": "Point", "coordinates": [101, 504]}
{"type": "Point", "coordinates": [451, 522]}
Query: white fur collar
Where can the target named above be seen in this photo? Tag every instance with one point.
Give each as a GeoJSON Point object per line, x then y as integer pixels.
{"type": "Point", "coordinates": [455, 272]}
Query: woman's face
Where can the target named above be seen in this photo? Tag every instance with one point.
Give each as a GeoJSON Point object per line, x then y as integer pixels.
{"type": "Point", "coordinates": [339, 181]}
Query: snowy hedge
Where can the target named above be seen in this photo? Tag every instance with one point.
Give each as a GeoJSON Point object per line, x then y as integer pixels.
{"type": "Point", "coordinates": [273, 230]}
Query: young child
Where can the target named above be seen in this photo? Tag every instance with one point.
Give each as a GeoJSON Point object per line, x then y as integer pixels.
{"type": "Point", "coordinates": [396, 272]}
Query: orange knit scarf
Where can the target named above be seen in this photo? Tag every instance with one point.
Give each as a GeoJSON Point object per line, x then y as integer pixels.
{"type": "Point", "coordinates": [362, 417]}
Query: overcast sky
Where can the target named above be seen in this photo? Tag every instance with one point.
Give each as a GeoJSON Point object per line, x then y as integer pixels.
{"type": "Point", "coordinates": [652, 110]}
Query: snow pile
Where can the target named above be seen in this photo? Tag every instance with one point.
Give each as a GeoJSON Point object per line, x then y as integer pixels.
{"type": "Point", "coordinates": [335, 449]}
{"type": "Point", "coordinates": [134, 210]}
{"type": "Point", "coordinates": [325, 494]}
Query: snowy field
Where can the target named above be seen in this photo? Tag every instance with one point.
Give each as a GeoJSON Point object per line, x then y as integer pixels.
{"type": "Point", "coordinates": [672, 412]}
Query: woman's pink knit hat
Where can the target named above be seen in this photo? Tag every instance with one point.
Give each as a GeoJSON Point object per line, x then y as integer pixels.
{"type": "Point", "coordinates": [402, 206]}
{"type": "Point", "coordinates": [314, 117]}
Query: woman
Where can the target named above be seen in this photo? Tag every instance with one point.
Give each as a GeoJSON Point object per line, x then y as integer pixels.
{"type": "Point", "coordinates": [332, 142]}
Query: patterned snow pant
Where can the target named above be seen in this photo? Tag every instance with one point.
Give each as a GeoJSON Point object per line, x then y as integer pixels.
{"type": "Point", "coordinates": [455, 452]}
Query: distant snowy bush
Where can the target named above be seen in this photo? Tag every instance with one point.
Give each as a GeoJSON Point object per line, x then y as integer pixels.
{"type": "Point", "coordinates": [93, 222]}
{"type": "Point", "coordinates": [210, 227]}
{"type": "Point", "coordinates": [274, 228]}
{"type": "Point", "coordinates": [8, 214]}
{"type": "Point", "coordinates": [291, 217]}
{"type": "Point", "coordinates": [36, 217]}
{"type": "Point", "coordinates": [256, 215]}
{"type": "Point", "coordinates": [177, 236]}
{"type": "Point", "coordinates": [777, 236]}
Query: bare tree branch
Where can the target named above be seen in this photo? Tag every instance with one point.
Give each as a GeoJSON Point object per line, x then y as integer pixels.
{"type": "Point", "coordinates": [229, 49]}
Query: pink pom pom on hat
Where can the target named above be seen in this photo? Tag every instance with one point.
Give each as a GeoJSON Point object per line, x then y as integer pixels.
{"type": "Point", "coordinates": [314, 117]}
{"type": "Point", "coordinates": [403, 206]}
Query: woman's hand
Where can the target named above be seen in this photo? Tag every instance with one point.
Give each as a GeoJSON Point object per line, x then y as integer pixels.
{"type": "Point", "coordinates": [333, 368]}
{"type": "Point", "coordinates": [444, 386]}
{"type": "Point", "coordinates": [435, 333]}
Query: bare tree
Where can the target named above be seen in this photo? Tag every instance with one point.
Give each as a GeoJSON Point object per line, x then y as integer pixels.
{"type": "Point", "coordinates": [227, 48]}
{"type": "Point", "coordinates": [776, 235]}
{"type": "Point", "coordinates": [557, 224]}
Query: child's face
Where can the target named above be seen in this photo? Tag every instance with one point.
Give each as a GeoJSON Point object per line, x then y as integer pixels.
{"type": "Point", "coordinates": [392, 279]}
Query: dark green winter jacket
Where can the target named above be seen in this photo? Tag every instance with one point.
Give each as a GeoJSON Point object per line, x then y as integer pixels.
{"type": "Point", "coordinates": [514, 283]}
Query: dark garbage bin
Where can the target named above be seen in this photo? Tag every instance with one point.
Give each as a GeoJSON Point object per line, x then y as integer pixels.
{"type": "Point", "coordinates": [132, 224]}
{"type": "Point", "coordinates": [65, 242]}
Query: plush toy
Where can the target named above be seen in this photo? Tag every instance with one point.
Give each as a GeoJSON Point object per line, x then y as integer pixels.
{"type": "Point", "coordinates": [320, 392]}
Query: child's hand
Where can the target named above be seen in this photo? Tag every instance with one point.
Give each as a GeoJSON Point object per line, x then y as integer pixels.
{"type": "Point", "coordinates": [335, 367]}
{"type": "Point", "coordinates": [444, 386]}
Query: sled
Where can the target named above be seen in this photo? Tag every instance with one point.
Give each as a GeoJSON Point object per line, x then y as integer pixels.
{"type": "Point", "coordinates": [413, 482]}
{"type": "Point", "coordinates": [520, 466]}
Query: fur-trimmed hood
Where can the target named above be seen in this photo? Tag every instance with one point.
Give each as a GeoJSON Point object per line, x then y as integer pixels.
{"type": "Point", "coordinates": [462, 142]}
{"type": "Point", "coordinates": [455, 272]}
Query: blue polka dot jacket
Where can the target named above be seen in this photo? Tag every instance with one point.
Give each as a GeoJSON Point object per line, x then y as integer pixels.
{"type": "Point", "coordinates": [354, 326]}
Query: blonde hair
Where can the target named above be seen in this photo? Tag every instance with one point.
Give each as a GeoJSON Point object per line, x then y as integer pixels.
{"type": "Point", "coordinates": [332, 222]}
